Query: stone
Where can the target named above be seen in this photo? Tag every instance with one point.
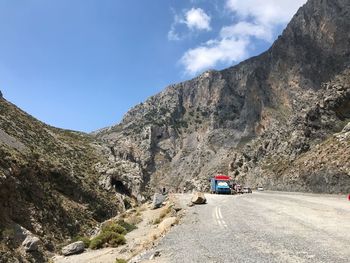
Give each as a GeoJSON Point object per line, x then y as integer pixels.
{"type": "Point", "coordinates": [74, 248]}
{"type": "Point", "coordinates": [154, 255]}
{"type": "Point", "coordinates": [158, 200]}
{"type": "Point", "coordinates": [31, 243]}
{"type": "Point", "coordinates": [167, 223]}
{"type": "Point", "coordinates": [198, 198]}
{"type": "Point", "coordinates": [346, 128]}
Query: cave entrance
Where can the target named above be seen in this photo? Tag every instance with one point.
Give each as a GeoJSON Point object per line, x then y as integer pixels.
{"type": "Point", "coordinates": [120, 187]}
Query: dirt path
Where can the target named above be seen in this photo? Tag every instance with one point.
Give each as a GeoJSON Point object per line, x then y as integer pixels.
{"type": "Point", "coordinates": [144, 237]}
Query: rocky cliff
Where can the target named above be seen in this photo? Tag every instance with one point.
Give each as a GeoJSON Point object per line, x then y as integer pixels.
{"type": "Point", "coordinates": [49, 186]}
{"type": "Point", "coordinates": [222, 121]}
{"type": "Point", "coordinates": [278, 120]}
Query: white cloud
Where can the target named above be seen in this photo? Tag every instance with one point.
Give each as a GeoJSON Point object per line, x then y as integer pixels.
{"type": "Point", "coordinates": [266, 12]}
{"type": "Point", "coordinates": [246, 29]}
{"type": "Point", "coordinates": [196, 18]}
{"type": "Point", "coordinates": [193, 19]}
{"type": "Point", "coordinates": [256, 19]}
{"type": "Point", "coordinates": [225, 50]}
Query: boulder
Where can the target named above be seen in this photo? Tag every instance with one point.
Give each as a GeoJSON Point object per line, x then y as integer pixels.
{"type": "Point", "coordinates": [158, 200]}
{"type": "Point", "coordinates": [346, 128]}
{"type": "Point", "coordinates": [167, 223]}
{"type": "Point", "coordinates": [198, 198]}
{"type": "Point", "coordinates": [74, 248]}
{"type": "Point", "coordinates": [31, 243]}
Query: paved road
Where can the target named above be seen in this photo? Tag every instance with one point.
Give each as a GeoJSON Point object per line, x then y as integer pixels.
{"type": "Point", "coordinates": [261, 227]}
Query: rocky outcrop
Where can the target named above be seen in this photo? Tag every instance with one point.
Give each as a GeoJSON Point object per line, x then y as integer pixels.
{"type": "Point", "coordinates": [158, 200]}
{"type": "Point", "coordinates": [31, 243]}
{"type": "Point", "coordinates": [74, 248]}
{"type": "Point", "coordinates": [225, 121]}
{"type": "Point", "coordinates": [292, 156]}
{"type": "Point", "coordinates": [279, 120]}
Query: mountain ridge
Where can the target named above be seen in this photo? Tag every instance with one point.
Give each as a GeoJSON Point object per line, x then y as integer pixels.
{"type": "Point", "coordinates": [280, 120]}
{"type": "Point", "coordinates": [223, 109]}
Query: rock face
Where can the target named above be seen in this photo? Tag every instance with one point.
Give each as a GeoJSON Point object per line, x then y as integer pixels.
{"type": "Point", "coordinates": [226, 121]}
{"type": "Point", "coordinates": [158, 200]}
{"type": "Point", "coordinates": [279, 120]}
{"type": "Point", "coordinates": [31, 243]}
{"type": "Point", "coordinates": [198, 198]}
{"type": "Point", "coordinates": [74, 248]}
{"type": "Point", "coordinates": [49, 185]}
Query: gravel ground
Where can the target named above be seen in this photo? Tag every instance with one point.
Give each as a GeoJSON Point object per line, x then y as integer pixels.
{"type": "Point", "coordinates": [260, 227]}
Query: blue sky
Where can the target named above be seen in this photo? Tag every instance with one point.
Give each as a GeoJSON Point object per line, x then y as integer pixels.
{"type": "Point", "coordinates": [82, 64]}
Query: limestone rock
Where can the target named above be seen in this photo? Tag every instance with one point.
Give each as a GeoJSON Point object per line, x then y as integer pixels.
{"type": "Point", "coordinates": [279, 104]}
{"type": "Point", "coordinates": [31, 243]}
{"type": "Point", "coordinates": [167, 223]}
{"type": "Point", "coordinates": [346, 128]}
{"type": "Point", "coordinates": [74, 248]}
{"type": "Point", "coordinates": [158, 200]}
{"type": "Point", "coordinates": [198, 198]}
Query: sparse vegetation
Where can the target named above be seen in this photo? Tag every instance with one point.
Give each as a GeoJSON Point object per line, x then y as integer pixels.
{"type": "Point", "coordinates": [134, 219]}
{"type": "Point", "coordinates": [107, 238]}
{"type": "Point", "coordinates": [156, 221]}
{"type": "Point", "coordinates": [112, 234]}
{"type": "Point", "coordinates": [127, 226]}
{"type": "Point", "coordinates": [86, 240]}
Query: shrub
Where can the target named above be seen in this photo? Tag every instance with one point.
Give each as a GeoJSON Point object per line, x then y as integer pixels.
{"type": "Point", "coordinates": [117, 240]}
{"type": "Point", "coordinates": [111, 235]}
{"type": "Point", "coordinates": [128, 227]}
{"type": "Point", "coordinates": [113, 227]}
{"type": "Point", "coordinates": [86, 240]}
{"type": "Point", "coordinates": [156, 221]}
{"type": "Point", "coordinates": [8, 233]}
{"type": "Point", "coordinates": [134, 219]}
{"type": "Point", "coordinates": [96, 243]}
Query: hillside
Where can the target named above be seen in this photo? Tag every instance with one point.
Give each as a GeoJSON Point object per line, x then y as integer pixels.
{"type": "Point", "coordinates": [192, 130]}
{"type": "Point", "coordinates": [49, 186]}
{"type": "Point", "coordinates": [280, 120]}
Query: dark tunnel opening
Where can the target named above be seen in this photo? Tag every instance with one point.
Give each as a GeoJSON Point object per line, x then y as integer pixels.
{"type": "Point", "coordinates": [120, 187]}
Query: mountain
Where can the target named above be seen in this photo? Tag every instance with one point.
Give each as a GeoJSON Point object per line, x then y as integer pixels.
{"type": "Point", "coordinates": [49, 185]}
{"type": "Point", "coordinates": [280, 120]}
{"type": "Point", "coordinates": [255, 121]}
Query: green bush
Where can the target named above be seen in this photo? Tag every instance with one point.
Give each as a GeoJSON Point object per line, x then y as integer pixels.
{"type": "Point", "coordinates": [120, 260]}
{"type": "Point", "coordinates": [109, 236]}
{"type": "Point", "coordinates": [113, 227]}
{"type": "Point", "coordinates": [117, 240]}
{"type": "Point", "coordinates": [128, 227]}
{"type": "Point", "coordinates": [86, 241]}
{"type": "Point", "coordinates": [96, 243]}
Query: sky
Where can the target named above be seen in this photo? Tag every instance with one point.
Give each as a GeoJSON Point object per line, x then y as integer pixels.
{"type": "Point", "coordinates": [81, 64]}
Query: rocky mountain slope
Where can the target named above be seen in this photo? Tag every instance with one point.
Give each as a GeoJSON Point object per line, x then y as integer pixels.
{"type": "Point", "coordinates": [255, 121]}
{"type": "Point", "coordinates": [49, 185]}
{"type": "Point", "coordinates": [279, 120]}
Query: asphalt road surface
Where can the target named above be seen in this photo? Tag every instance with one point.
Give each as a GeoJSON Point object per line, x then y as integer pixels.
{"type": "Point", "coordinates": [260, 227]}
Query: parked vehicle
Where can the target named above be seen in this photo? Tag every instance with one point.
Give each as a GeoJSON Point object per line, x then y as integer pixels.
{"type": "Point", "coordinates": [247, 190]}
{"type": "Point", "coordinates": [238, 189]}
{"type": "Point", "coordinates": [220, 184]}
{"type": "Point", "coordinates": [260, 188]}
